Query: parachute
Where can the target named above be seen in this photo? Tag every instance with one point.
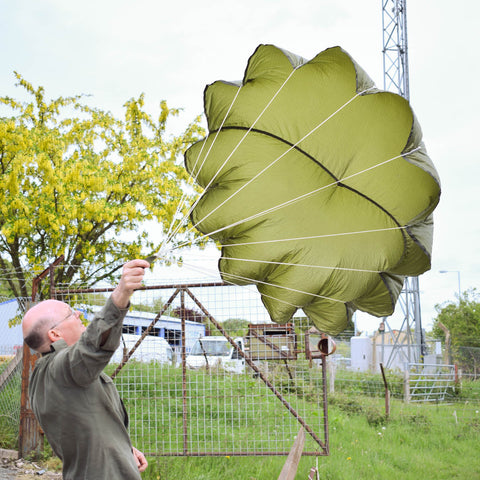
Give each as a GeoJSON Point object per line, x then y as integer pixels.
{"type": "Point", "coordinates": [316, 185]}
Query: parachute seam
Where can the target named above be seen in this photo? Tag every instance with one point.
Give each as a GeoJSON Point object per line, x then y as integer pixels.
{"type": "Point", "coordinates": [313, 159]}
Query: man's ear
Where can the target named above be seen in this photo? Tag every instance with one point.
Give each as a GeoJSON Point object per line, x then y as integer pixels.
{"type": "Point", "coordinates": [53, 335]}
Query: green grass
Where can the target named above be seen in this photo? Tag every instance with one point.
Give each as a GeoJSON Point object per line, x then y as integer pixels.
{"type": "Point", "coordinates": [427, 442]}
{"type": "Point", "coordinates": [414, 443]}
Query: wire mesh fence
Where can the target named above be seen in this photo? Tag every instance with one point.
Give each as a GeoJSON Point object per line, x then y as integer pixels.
{"type": "Point", "coordinates": [212, 376]}
{"type": "Point", "coordinates": [454, 395]}
{"type": "Point", "coordinates": [10, 384]}
{"type": "Point", "coordinates": [11, 343]}
{"type": "Point", "coordinates": [202, 373]}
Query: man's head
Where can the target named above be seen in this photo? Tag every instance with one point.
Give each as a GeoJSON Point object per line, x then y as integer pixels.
{"type": "Point", "coordinates": [50, 321]}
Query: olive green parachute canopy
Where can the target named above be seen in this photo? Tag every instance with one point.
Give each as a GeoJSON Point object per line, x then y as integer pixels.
{"type": "Point", "coordinates": [317, 186]}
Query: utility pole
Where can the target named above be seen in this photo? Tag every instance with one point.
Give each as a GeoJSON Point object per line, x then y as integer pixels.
{"type": "Point", "coordinates": [396, 79]}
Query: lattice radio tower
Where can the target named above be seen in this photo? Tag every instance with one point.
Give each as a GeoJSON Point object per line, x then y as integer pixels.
{"type": "Point", "coordinates": [409, 340]}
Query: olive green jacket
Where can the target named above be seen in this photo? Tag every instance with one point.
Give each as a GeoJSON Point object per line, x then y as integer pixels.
{"type": "Point", "coordinates": [78, 406]}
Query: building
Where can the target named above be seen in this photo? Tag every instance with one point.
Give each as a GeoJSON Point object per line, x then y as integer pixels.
{"type": "Point", "coordinates": [169, 328]}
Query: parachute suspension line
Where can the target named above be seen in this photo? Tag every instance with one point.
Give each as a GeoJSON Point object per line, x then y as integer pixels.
{"type": "Point", "coordinates": [171, 234]}
{"type": "Point", "coordinates": [239, 142]}
{"type": "Point", "coordinates": [323, 122]}
{"type": "Point", "coordinates": [180, 205]}
{"type": "Point", "coordinates": [268, 262]}
{"type": "Point", "coordinates": [236, 147]}
{"type": "Point", "coordinates": [247, 287]}
{"type": "Point", "coordinates": [294, 239]}
{"type": "Point", "coordinates": [304, 196]}
{"type": "Point", "coordinates": [216, 135]}
{"type": "Point", "coordinates": [239, 277]}
{"type": "Point", "coordinates": [251, 127]}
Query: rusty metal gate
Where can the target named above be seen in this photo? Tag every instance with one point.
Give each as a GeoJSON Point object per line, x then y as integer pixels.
{"type": "Point", "coordinates": [250, 398]}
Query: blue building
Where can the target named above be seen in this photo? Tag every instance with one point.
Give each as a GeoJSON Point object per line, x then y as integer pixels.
{"type": "Point", "coordinates": [169, 328]}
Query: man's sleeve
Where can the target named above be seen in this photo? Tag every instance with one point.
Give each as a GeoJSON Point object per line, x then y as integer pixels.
{"type": "Point", "coordinates": [83, 362]}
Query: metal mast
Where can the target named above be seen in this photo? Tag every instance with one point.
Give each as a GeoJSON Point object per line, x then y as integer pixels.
{"type": "Point", "coordinates": [395, 50]}
{"type": "Point", "coordinates": [410, 346]}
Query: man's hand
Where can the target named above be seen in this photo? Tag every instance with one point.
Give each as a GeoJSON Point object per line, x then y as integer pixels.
{"type": "Point", "coordinates": [142, 463]}
{"type": "Point", "coordinates": [132, 277]}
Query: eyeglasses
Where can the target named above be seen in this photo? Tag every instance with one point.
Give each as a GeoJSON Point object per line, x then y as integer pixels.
{"type": "Point", "coordinates": [72, 312]}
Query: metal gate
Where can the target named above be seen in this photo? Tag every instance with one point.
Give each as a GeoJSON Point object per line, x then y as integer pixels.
{"type": "Point", "coordinates": [430, 382]}
{"type": "Point", "coordinates": [214, 409]}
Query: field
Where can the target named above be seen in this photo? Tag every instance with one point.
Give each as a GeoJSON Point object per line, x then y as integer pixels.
{"type": "Point", "coordinates": [424, 442]}
{"type": "Point", "coordinates": [427, 441]}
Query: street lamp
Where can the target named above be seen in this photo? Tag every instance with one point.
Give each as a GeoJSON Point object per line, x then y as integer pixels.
{"type": "Point", "coordinates": [458, 274]}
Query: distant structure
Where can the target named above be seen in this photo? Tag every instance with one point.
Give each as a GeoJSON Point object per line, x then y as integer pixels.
{"type": "Point", "coordinates": [395, 79]}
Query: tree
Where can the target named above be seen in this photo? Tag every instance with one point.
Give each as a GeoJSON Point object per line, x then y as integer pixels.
{"type": "Point", "coordinates": [79, 182]}
{"type": "Point", "coordinates": [462, 322]}
{"type": "Point", "coordinates": [236, 327]}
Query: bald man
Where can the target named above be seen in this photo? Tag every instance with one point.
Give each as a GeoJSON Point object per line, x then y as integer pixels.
{"type": "Point", "coordinates": [76, 404]}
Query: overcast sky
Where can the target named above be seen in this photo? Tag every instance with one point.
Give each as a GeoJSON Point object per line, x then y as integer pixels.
{"type": "Point", "coordinates": [117, 49]}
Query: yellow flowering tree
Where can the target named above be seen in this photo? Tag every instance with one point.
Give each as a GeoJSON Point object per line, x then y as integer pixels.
{"type": "Point", "coordinates": [77, 181]}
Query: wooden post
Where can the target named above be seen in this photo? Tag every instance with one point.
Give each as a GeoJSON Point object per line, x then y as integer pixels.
{"type": "Point", "coordinates": [387, 392]}
{"type": "Point", "coordinates": [289, 470]}
{"type": "Point", "coordinates": [30, 435]}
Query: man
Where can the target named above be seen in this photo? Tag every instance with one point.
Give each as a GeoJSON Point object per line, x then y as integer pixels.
{"type": "Point", "coordinates": [76, 404]}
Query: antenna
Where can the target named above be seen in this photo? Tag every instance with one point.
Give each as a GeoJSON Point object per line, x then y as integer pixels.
{"type": "Point", "coordinates": [395, 79]}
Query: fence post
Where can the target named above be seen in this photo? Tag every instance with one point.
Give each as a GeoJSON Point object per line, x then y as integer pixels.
{"type": "Point", "coordinates": [406, 384]}
{"type": "Point", "coordinates": [331, 377]}
{"type": "Point", "coordinates": [30, 434]}
{"type": "Point", "coordinates": [387, 392]}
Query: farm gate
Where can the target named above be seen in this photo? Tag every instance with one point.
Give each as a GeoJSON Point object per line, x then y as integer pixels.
{"type": "Point", "coordinates": [255, 407]}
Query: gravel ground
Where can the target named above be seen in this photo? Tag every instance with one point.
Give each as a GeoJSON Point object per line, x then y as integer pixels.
{"type": "Point", "coordinates": [13, 469]}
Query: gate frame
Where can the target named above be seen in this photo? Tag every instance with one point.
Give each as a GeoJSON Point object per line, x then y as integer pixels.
{"type": "Point", "coordinates": [181, 289]}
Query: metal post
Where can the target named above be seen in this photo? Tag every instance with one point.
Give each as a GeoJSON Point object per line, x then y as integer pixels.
{"type": "Point", "coordinates": [396, 79]}
{"type": "Point", "coordinates": [184, 374]}
{"type": "Point", "coordinates": [406, 385]}
{"type": "Point", "coordinates": [30, 434]}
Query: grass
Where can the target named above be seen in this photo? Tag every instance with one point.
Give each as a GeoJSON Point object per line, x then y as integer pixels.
{"type": "Point", "coordinates": [415, 442]}
{"type": "Point", "coordinates": [428, 442]}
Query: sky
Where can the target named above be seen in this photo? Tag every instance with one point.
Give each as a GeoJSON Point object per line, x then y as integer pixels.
{"type": "Point", "coordinates": [114, 50]}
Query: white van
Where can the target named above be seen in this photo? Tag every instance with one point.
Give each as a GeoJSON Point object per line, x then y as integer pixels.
{"type": "Point", "coordinates": [216, 351]}
{"type": "Point", "coordinates": [152, 349]}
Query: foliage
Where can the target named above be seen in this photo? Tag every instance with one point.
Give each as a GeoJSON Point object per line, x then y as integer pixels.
{"type": "Point", "coordinates": [79, 182]}
{"type": "Point", "coordinates": [236, 327]}
{"type": "Point", "coordinates": [156, 307]}
{"type": "Point", "coordinates": [462, 320]}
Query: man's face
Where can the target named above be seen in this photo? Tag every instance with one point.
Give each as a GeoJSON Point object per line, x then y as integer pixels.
{"type": "Point", "coordinates": [69, 326]}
